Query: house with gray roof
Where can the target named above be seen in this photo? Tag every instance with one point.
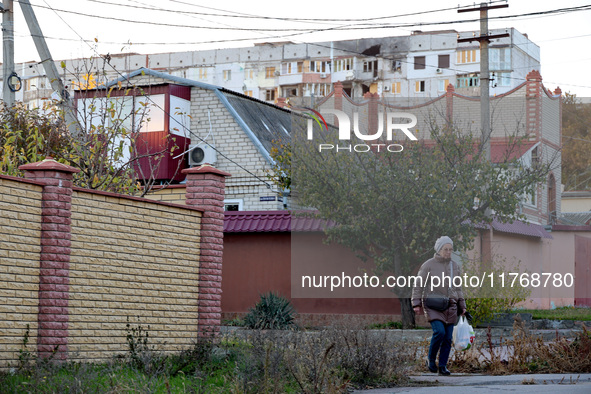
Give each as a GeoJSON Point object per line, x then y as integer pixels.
{"type": "Point", "coordinates": [210, 124]}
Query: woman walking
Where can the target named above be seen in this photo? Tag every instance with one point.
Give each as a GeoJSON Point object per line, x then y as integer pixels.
{"type": "Point", "coordinates": [440, 304]}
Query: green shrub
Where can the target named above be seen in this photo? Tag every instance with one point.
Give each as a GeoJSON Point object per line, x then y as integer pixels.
{"type": "Point", "coordinates": [271, 312]}
{"type": "Point", "coordinates": [142, 355]}
{"type": "Point", "coordinates": [486, 301]}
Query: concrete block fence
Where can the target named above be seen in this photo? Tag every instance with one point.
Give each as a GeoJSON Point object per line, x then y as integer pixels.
{"type": "Point", "coordinates": [77, 265]}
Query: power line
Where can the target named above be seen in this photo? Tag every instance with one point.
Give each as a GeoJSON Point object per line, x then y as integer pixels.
{"type": "Point", "coordinates": [565, 38]}
{"type": "Point", "coordinates": [340, 28]}
{"type": "Point", "coordinates": [154, 23]}
{"type": "Point", "coordinates": [574, 138]}
{"type": "Point", "coordinates": [252, 16]}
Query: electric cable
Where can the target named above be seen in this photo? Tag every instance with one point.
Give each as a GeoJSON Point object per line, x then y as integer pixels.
{"type": "Point", "coordinates": [354, 27]}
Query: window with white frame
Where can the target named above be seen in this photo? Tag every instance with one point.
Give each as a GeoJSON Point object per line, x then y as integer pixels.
{"type": "Point", "coordinates": [531, 159]}
{"type": "Point", "coordinates": [318, 89]}
{"type": "Point", "coordinates": [317, 66]}
{"type": "Point", "coordinates": [234, 204]}
{"type": "Point", "coordinates": [290, 91]}
{"type": "Point", "coordinates": [467, 80]}
{"type": "Point", "coordinates": [344, 64]}
{"type": "Point", "coordinates": [501, 79]}
{"type": "Point", "coordinates": [270, 95]}
{"type": "Point", "coordinates": [369, 66]}
{"type": "Point", "coordinates": [499, 58]}
{"type": "Point", "coordinates": [286, 68]}
{"type": "Point", "coordinates": [291, 68]}
{"type": "Point", "coordinates": [530, 197]}
{"type": "Point", "coordinates": [269, 72]}
{"type": "Point", "coordinates": [467, 56]}
{"type": "Point", "coordinates": [443, 85]}
{"type": "Point", "coordinates": [419, 86]}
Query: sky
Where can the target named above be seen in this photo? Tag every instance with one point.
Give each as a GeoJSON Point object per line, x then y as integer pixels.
{"type": "Point", "coordinates": [85, 28]}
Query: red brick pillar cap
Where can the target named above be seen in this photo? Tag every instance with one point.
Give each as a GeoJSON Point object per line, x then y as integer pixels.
{"type": "Point", "coordinates": [534, 75]}
{"type": "Point", "coordinates": [281, 102]}
{"type": "Point", "coordinates": [205, 169]}
{"type": "Point", "coordinates": [49, 164]}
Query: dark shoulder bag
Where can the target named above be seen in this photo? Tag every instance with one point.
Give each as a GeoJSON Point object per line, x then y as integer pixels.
{"type": "Point", "coordinates": [439, 302]}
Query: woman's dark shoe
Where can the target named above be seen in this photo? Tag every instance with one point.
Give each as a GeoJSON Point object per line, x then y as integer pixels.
{"type": "Point", "coordinates": [443, 371]}
{"type": "Point", "coordinates": [431, 367]}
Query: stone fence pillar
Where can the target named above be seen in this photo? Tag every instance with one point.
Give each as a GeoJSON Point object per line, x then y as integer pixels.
{"type": "Point", "coordinates": [205, 190]}
{"type": "Point", "coordinates": [54, 262]}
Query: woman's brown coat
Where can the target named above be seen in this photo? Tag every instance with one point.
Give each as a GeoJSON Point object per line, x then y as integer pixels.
{"type": "Point", "coordinates": [436, 267]}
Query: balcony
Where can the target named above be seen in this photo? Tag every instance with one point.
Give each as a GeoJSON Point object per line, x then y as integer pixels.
{"type": "Point", "coordinates": [37, 94]}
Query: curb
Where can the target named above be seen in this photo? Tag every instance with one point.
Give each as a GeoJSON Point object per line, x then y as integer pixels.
{"type": "Point", "coordinates": [486, 380]}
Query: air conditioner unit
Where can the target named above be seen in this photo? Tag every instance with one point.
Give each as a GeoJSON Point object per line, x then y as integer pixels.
{"type": "Point", "coordinates": [350, 75]}
{"type": "Point", "coordinates": [386, 88]}
{"type": "Point", "coordinates": [439, 71]}
{"type": "Point", "coordinates": [277, 73]}
{"type": "Point", "coordinates": [201, 154]}
{"type": "Point", "coordinates": [323, 75]}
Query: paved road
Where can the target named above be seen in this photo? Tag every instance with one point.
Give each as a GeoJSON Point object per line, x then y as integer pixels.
{"type": "Point", "coordinates": [532, 383]}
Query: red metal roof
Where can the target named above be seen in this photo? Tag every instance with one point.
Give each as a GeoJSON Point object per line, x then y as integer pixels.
{"type": "Point", "coordinates": [256, 221]}
{"type": "Point", "coordinates": [501, 151]}
{"type": "Point", "coordinates": [519, 227]}
{"type": "Point", "coordinates": [269, 221]}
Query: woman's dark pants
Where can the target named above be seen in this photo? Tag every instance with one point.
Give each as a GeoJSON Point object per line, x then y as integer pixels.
{"type": "Point", "coordinates": [441, 339]}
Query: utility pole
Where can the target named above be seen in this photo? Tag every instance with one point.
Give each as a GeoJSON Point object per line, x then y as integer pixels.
{"type": "Point", "coordinates": [49, 66]}
{"type": "Point", "coordinates": [486, 236]}
{"type": "Point", "coordinates": [484, 39]}
{"type": "Point", "coordinates": [7, 52]}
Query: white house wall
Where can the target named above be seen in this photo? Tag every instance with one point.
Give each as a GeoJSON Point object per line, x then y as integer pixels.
{"type": "Point", "coordinates": [236, 153]}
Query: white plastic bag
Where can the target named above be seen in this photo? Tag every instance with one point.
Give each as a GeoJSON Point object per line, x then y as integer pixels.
{"type": "Point", "coordinates": [463, 335]}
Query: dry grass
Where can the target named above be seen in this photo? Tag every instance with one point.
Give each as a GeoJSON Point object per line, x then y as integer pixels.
{"type": "Point", "coordinates": [526, 353]}
{"type": "Point", "coordinates": [331, 360]}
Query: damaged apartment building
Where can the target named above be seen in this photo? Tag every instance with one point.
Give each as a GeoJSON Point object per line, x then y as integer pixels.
{"type": "Point", "coordinates": [420, 65]}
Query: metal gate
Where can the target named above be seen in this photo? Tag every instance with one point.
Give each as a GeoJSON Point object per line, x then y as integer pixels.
{"type": "Point", "coordinates": [582, 271]}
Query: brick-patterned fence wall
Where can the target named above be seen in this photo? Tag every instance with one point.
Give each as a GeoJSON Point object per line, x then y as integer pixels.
{"type": "Point", "coordinates": [79, 263]}
{"type": "Point", "coordinates": [131, 259]}
{"type": "Point", "coordinates": [20, 236]}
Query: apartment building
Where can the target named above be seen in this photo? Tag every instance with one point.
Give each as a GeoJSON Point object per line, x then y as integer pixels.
{"type": "Point", "coordinates": [419, 65]}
